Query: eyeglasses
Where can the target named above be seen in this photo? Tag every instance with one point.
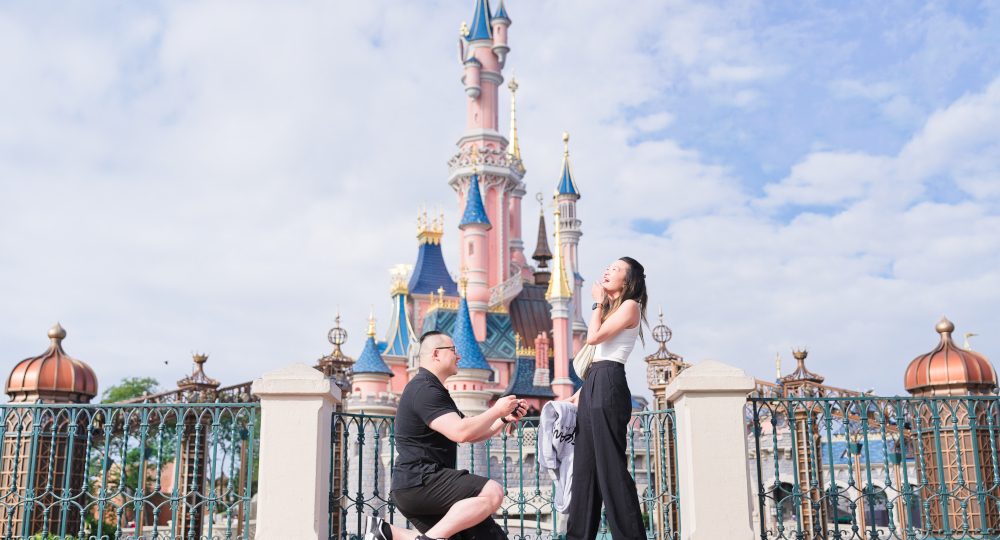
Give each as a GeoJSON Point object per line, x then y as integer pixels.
{"type": "Point", "coordinates": [451, 347]}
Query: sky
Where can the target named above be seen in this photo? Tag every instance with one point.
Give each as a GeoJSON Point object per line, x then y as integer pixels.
{"type": "Point", "coordinates": [224, 177]}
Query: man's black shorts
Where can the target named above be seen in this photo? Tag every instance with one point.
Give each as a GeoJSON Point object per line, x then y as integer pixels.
{"type": "Point", "coordinates": [426, 504]}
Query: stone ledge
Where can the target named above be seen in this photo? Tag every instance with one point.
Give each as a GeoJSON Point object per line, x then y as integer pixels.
{"type": "Point", "coordinates": [710, 376]}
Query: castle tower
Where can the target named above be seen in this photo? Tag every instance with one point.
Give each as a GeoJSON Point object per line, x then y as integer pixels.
{"type": "Point", "coordinates": [813, 508]}
{"type": "Point", "coordinates": [542, 254]}
{"type": "Point", "coordinates": [475, 227]}
{"type": "Point", "coordinates": [483, 154]}
{"type": "Point", "coordinates": [559, 296]}
{"type": "Point", "coordinates": [59, 439]}
{"type": "Point", "coordinates": [400, 335]}
{"type": "Point", "coordinates": [567, 195]}
{"type": "Point", "coordinates": [337, 365]}
{"type": "Point", "coordinates": [194, 451]}
{"type": "Point", "coordinates": [662, 367]}
{"type": "Point", "coordinates": [430, 273]}
{"type": "Point", "coordinates": [966, 452]}
{"type": "Point", "coordinates": [370, 381]}
{"type": "Point", "coordinates": [468, 386]}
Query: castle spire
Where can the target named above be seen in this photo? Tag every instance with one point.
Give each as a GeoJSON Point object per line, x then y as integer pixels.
{"type": "Point", "coordinates": [475, 213]}
{"type": "Point", "coordinates": [558, 284]}
{"type": "Point", "coordinates": [514, 147]}
{"type": "Point", "coordinates": [567, 186]}
{"type": "Point", "coordinates": [480, 27]}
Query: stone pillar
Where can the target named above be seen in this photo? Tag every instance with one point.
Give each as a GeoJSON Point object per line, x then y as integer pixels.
{"type": "Point", "coordinates": [297, 404]}
{"type": "Point", "coordinates": [714, 484]}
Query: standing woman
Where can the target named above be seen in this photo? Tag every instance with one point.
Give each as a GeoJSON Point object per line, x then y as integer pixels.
{"type": "Point", "coordinates": [604, 408]}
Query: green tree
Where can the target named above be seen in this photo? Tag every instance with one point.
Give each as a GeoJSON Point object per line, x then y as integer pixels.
{"type": "Point", "coordinates": [130, 387]}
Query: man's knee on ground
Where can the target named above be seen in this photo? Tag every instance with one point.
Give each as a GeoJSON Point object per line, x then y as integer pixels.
{"type": "Point", "coordinates": [494, 492]}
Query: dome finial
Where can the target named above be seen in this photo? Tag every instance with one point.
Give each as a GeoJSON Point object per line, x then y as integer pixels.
{"type": "Point", "coordinates": [57, 332]}
{"type": "Point", "coordinates": [944, 326]}
{"type": "Point", "coordinates": [371, 322]}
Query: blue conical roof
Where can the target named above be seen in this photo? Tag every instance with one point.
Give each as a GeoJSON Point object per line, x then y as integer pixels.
{"type": "Point", "coordinates": [465, 341]}
{"type": "Point", "coordinates": [400, 331]}
{"type": "Point", "coordinates": [501, 12]}
{"type": "Point", "coordinates": [566, 184]}
{"type": "Point", "coordinates": [370, 361]}
{"type": "Point", "coordinates": [480, 27]}
{"type": "Point", "coordinates": [474, 213]}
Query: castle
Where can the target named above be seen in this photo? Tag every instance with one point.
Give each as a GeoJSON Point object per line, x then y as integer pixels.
{"type": "Point", "coordinates": [516, 324]}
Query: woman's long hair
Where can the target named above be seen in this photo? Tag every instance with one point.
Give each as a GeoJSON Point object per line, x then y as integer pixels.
{"type": "Point", "coordinates": [633, 289]}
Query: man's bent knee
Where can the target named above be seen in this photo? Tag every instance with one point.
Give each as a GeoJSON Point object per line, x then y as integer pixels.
{"type": "Point", "coordinates": [493, 491]}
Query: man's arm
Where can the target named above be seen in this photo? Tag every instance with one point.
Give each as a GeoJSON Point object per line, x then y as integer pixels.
{"type": "Point", "coordinates": [475, 428]}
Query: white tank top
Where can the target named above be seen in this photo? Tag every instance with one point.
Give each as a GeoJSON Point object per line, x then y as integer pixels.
{"type": "Point", "coordinates": [618, 347]}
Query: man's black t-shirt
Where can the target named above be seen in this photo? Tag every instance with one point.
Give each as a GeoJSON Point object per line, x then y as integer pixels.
{"type": "Point", "coordinates": [421, 449]}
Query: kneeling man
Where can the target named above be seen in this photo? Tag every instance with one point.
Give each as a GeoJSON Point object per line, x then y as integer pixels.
{"type": "Point", "coordinates": [440, 501]}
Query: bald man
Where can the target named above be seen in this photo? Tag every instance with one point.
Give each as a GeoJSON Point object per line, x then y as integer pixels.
{"type": "Point", "coordinates": [440, 501]}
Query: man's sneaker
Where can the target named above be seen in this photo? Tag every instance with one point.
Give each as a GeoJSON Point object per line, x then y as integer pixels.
{"type": "Point", "coordinates": [376, 529]}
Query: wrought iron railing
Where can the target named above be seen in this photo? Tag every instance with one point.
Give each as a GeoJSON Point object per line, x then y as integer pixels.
{"type": "Point", "coordinates": [875, 468]}
{"type": "Point", "coordinates": [149, 471]}
{"type": "Point", "coordinates": [364, 452]}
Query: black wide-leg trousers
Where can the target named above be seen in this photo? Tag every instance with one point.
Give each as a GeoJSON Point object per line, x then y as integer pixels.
{"type": "Point", "coordinates": [600, 470]}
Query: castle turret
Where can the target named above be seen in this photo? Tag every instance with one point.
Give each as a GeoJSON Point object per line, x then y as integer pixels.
{"type": "Point", "coordinates": [468, 386]}
{"type": "Point", "coordinates": [500, 23]}
{"type": "Point", "coordinates": [567, 194]}
{"type": "Point", "coordinates": [400, 336]}
{"type": "Point", "coordinates": [370, 381]}
{"type": "Point", "coordinates": [559, 296]}
{"type": "Point", "coordinates": [483, 154]}
{"type": "Point", "coordinates": [475, 257]}
{"type": "Point", "coordinates": [430, 273]}
{"type": "Point", "coordinates": [542, 254]}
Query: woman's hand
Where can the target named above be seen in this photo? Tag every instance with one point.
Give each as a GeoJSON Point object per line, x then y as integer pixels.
{"type": "Point", "coordinates": [597, 292]}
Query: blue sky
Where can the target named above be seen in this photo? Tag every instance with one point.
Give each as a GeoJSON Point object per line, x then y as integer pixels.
{"type": "Point", "coordinates": [223, 177]}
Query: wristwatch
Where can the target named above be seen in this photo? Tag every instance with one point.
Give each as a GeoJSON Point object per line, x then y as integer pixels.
{"type": "Point", "coordinates": [593, 307]}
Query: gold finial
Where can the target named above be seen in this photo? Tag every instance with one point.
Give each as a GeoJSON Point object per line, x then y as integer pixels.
{"type": "Point", "coordinates": [199, 358]}
{"type": "Point", "coordinates": [474, 158]}
{"type": "Point", "coordinates": [398, 275]}
{"type": "Point", "coordinates": [463, 283]}
{"type": "Point", "coordinates": [371, 322]}
{"type": "Point", "coordinates": [517, 343]}
{"type": "Point", "coordinates": [777, 365]}
{"type": "Point", "coordinates": [429, 231]}
{"type": "Point", "coordinates": [566, 143]}
{"type": "Point", "coordinates": [440, 298]}
{"type": "Point", "coordinates": [463, 30]}
{"type": "Point", "coordinates": [558, 284]}
{"type": "Point", "coordinates": [514, 147]}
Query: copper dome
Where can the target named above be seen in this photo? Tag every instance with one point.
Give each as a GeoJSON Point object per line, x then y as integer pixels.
{"type": "Point", "coordinates": [53, 376]}
{"type": "Point", "coordinates": [949, 369]}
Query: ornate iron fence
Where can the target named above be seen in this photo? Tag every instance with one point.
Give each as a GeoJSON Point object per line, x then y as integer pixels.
{"type": "Point", "coordinates": [876, 468]}
{"type": "Point", "coordinates": [364, 451]}
{"type": "Point", "coordinates": [149, 471]}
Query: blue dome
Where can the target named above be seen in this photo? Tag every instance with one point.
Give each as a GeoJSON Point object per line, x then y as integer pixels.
{"type": "Point", "coordinates": [465, 341]}
{"type": "Point", "coordinates": [475, 213]}
{"type": "Point", "coordinates": [370, 361]}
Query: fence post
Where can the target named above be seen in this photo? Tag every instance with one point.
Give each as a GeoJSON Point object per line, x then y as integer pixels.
{"type": "Point", "coordinates": [297, 403]}
{"type": "Point", "coordinates": [713, 483]}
